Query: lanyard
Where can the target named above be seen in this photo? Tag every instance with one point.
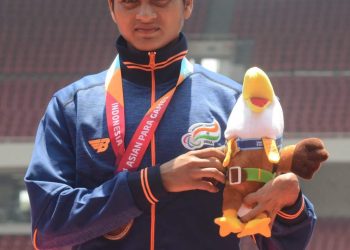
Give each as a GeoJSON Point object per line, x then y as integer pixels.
{"type": "Point", "coordinates": [130, 158]}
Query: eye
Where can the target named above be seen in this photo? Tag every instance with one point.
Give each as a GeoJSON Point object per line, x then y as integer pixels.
{"type": "Point", "coordinates": [160, 3]}
{"type": "Point", "coordinates": [129, 3]}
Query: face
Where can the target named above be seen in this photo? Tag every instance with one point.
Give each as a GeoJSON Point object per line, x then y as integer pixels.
{"type": "Point", "coordinates": [148, 25]}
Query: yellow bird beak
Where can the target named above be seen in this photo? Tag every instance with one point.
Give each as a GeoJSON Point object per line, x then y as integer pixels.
{"type": "Point", "coordinates": [257, 90]}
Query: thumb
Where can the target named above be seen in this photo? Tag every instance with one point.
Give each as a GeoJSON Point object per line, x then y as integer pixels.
{"type": "Point", "coordinates": [251, 214]}
{"type": "Point", "coordinates": [251, 199]}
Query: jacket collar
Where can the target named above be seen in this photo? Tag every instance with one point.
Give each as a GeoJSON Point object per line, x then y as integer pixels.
{"type": "Point", "coordinates": [136, 65]}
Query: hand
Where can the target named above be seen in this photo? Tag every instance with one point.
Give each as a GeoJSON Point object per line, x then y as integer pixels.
{"type": "Point", "coordinates": [273, 196]}
{"type": "Point", "coordinates": [193, 170]}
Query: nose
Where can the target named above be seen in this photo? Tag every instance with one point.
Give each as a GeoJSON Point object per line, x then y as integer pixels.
{"type": "Point", "coordinates": [146, 13]}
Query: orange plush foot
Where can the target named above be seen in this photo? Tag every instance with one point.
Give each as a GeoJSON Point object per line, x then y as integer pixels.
{"type": "Point", "coordinates": [257, 226]}
{"type": "Point", "coordinates": [229, 223]}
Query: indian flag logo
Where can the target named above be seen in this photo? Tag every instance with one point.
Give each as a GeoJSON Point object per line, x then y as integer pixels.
{"type": "Point", "coordinates": [201, 134]}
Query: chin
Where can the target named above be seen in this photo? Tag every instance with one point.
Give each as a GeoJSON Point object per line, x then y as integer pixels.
{"type": "Point", "coordinates": [147, 49]}
{"type": "Point", "coordinates": [151, 47]}
{"type": "Point", "coordinates": [150, 44]}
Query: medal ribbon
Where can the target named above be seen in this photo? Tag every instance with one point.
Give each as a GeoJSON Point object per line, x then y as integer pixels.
{"type": "Point", "coordinates": [130, 158]}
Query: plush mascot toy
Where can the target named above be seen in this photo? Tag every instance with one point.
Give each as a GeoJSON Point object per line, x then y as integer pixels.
{"type": "Point", "coordinates": [254, 154]}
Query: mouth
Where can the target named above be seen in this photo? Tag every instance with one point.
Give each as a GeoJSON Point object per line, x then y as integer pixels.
{"type": "Point", "coordinates": [260, 102]}
{"type": "Point", "coordinates": [257, 90]}
{"type": "Point", "coordinates": [146, 31]}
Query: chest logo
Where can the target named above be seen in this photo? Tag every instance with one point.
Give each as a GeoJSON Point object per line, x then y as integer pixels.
{"type": "Point", "coordinates": [200, 134]}
{"type": "Point", "coordinates": [100, 145]}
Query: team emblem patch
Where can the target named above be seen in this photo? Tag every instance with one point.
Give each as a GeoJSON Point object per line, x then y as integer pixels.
{"type": "Point", "coordinates": [201, 134]}
{"type": "Point", "coordinates": [100, 145]}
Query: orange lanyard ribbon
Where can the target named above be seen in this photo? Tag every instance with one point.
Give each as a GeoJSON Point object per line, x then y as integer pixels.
{"type": "Point", "coordinates": [130, 158]}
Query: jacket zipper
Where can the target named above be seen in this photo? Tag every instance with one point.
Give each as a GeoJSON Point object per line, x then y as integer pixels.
{"type": "Point", "coordinates": [152, 64]}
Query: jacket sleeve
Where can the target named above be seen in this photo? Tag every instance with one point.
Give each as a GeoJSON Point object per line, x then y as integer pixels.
{"type": "Point", "coordinates": [65, 214]}
{"type": "Point", "coordinates": [293, 227]}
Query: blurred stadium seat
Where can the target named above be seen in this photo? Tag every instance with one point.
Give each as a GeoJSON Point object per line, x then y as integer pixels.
{"type": "Point", "coordinates": [196, 24]}
{"type": "Point", "coordinates": [294, 35]}
{"type": "Point", "coordinates": [57, 38]}
{"type": "Point", "coordinates": [18, 242]}
{"type": "Point", "coordinates": [22, 104]}
{"type": "Point", "coordinates": [314, 103]}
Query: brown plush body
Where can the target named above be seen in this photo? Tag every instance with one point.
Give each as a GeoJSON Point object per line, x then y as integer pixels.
{"type": "Point", "coordinates": [303, 159]}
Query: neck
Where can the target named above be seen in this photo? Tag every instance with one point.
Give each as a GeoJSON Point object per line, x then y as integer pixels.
{"type": "Point", "coordinates": [139, 73]}
{"type": "Point", "coordinates": [169, 45]}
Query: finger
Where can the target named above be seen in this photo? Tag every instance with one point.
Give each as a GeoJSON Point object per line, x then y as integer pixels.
{"type": "Point", "coordinates": [206, 186]}
{"type": "Point", "coordinates": [222, 148]}
{"type": "Point", "coordinates": [211, 162]}
{"type": "Point", "coordinates": [252, 214]}
{"type": "Point", "coordinates": [219, 166]}
{"type": "Point", "coordinates": [210, 173]}
{"type": "Point", "coordinates": [251, 199]}
{"type": "Point", "coordinates": [209, 152]}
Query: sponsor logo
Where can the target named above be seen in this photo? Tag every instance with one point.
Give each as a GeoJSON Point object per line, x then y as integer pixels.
{"type": "Point", "coordinates": [201, 134]}
{"type": "Point", "coordinates": [100, 145]}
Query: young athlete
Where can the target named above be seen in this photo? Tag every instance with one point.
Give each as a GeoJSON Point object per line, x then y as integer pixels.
{"type": "Point", "coordinates": [129, 158]}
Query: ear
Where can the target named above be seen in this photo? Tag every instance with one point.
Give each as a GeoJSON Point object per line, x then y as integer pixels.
{"type": "Point", "coordinates": [231, 150]}
{"type": "Point", "coordinates": [111, 9]}
{"type": "Point", "coordinates": [271, 150]}
{"type": "Point", "coordinates": [188, 8]}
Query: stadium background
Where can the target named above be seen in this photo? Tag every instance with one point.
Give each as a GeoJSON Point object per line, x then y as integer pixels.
{"type": "Point", "coordinates": [304, 45]}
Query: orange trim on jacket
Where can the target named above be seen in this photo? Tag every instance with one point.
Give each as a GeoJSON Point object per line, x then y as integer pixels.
{"type": "Point", "coordinates": [148, 197]}
{"type": "Point", "coordinates": [154, 66]}
{"type": "Point", "coordinates": [293, 216]}
{"type": "Point", "coordinates": [35, 245]}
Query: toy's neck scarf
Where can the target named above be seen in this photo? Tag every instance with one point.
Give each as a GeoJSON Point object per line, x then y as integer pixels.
{"type": "Point", "coordinates": [255, 144]}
